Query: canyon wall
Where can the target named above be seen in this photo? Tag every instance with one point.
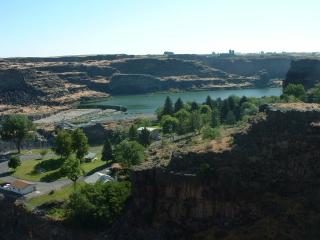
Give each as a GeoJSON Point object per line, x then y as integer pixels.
{"type": "Point", "coordinates": [268, 182]}
{"type": "Point", "coordinates": [305, 72]}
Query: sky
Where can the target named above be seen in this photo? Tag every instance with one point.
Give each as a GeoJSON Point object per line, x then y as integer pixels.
{"type": "Point", "coordinates": [78, 27]}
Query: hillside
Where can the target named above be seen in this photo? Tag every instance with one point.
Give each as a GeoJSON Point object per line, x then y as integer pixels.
{"type": "Point", "coordinates": [35, 84]}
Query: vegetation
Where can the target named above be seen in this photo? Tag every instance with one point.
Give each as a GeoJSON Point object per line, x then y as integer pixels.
{"type": "Point", "coordinates": [63, 144]}
{"type": "Point", "coordinates": [72, 169]}
{"type": "Point", "coordinates": [79, 143]}
{"type": "Point", "coordinates": [14, 162]}
{"type": "Point", "coordinates": [43, 153]}
{"type": "Point", "coordinates": [98, 205]}
{"type": "Point", "coordinates": [144, 137]}
{"type": "Point", "coordinates": [107, 152]}
{"type": "Point", "coordinates": [133, 133]}
{"type": "Point", "coordinates": [129, 153]}
{"type": "Point", "coordinates": [16, 128]}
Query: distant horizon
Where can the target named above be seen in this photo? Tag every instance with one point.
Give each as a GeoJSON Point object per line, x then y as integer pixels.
{"type": "Point", "coordinates": [161, 54]}
{"type": "Point", "coordinates": [38, 28]}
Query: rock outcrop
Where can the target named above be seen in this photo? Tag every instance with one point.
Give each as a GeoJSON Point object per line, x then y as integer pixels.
{"type": "Point", "coordinates": [266, 186]}
{"type": "Point", "coordinates": [65, 80]}
{"type": "Point", "coordinates": [305, 72]}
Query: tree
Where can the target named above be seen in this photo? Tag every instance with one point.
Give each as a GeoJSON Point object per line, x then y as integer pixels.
{"type": "Point", "coordinates": [215, 118]}
{"type": "Point", "coordinates": [248, 108]}
{"type": "Point", "coordinates": [72, 169]}
{"type": "Point", "coordinates": [183, 117]}
{"type": "Point", "coordinates": [194, 106]}
{"type": "Point", "coordinates": [209, 102]}
{"type": "Point", "coordinates": [169, 124]}
{"type": "Point", "coordinates": [230, 118]}
{"type": "Point", "coordinates": [79, 143]}
{"type": "Point", "coordinates": [178, 105]}
{"type": "Point", "coordinates": [98, 205]}
{"type": "Point", "coordinates": [14, 162]}
{"type": "Point", "coordinates": [195, 121]}
{"type": "Point", "coordinates": [63, 144]}
{"type": "Point", "coordinates": [129, 153]}
{"type": "Point", "coordinates": [144, 137]}
{"type": "Point", "coordinates": [296, 90]}
{"type": "Point", "coordinates": [133, 133]}
{"type": "Point", "coordinates": [107, 153]}
{"type": "Point", "coordinates": [16, 128]}
{"type": "Point", "coordinates": [168, 107]}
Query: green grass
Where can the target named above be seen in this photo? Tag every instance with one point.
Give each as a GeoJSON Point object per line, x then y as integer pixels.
{"type": "Point", "coordinates": [28, 169]}
{"type": "Point", "coordinates": [59, 195]}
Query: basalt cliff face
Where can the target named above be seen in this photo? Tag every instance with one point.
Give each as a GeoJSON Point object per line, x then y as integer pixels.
{"type": "Point", "coordinates": [265, 187]}
{"type": "Point", "coordinates": [305, 72]}
{"type": "Point", "coordinates": [62, 81]}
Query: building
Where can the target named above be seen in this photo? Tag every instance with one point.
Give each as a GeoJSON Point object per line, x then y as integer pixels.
{"type": "Point", "coordinates": [90, 157]}
{"type": "Point", "coordinates": [98, 177]}
{"type": "Point", "coordinates": [154, 132]}
{"type": "Point", "coordinates": [20, 187]}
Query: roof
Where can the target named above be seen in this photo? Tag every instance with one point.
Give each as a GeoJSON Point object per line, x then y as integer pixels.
{"type": "Point", "coordinates": [90, 155]}
{"type": "Point", "coordinates": [116, 166]}
{"type": "Point", "coordinates": [98, 177]}
{"type": "Point", "coordinates": [150, 129]}
{"type": "Point", "coordinates": [21, 184]}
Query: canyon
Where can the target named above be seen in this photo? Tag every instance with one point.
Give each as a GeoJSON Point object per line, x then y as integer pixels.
{"type": "Point", "coordinates": [49, 85]}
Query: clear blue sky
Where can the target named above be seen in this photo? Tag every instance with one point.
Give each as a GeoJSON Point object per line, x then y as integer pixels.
{"type": "Point", "coordinates": [67, 27]}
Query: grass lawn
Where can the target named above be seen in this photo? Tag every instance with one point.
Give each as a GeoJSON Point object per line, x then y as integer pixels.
{"type": "Point", "coordinates": [51, 167]}
{"type": "Point", "coordinates": [59, 195]}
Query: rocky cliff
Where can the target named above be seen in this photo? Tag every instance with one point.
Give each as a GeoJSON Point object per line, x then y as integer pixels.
{"type": "Point", "coordinates": [306, 72]}
{"type": "Point", "coordinates": [65, 80]}
{"type": "Point", "coordinates": [265, 187]}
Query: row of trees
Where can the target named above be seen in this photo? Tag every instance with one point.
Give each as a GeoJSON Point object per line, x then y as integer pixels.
{"type": "Point", "coordinates": [182, 118]}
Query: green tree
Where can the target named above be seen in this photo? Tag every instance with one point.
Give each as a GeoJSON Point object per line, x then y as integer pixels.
{"type": "Point", "coordinates": [14, 162]}
{"type": "Point", "coordinates": [195, 121]}
{"type": "Point", "coordinates": [215, 118]}
{"type": "Point", "coordinates": [168, 107]}
{"type": "Point", "coordinates": [63, 144]}
{"type": "Point", "coordinates": [178, 105]}
{"type": "Point", "coordinates": [169, 124]}
{"type": "Point", "coordinates": [144, 137]}
{"type": "Point", "coordinates": [183, 125]}
{"type": "Point", "coordinates": [133, 133]}
{"type": "Point", "coordinates": [248, 108]}
{"type": "Point", "coordinates": [230, 118]}
{"type": "Point", "coordinates": [209, 102]}
{"type": "Point", "coordinates": [314, 95]}
{"type": "Point", "coordinates": [194, 106]}
{"type": "Point", "coordinates": [107, 152]}
{"type": "Point", "coordinates": [79, 143]}
{"type": "Point", "coordinates": [98, 205]}
{"type": "Point", "coordinates": [16, 128]}
{"type": "Point", "coordinates": [129, 153]}
{"type": "Point", "coordinates": [72, 169]}
{"type": "Point", "coordinates": [296, 90]}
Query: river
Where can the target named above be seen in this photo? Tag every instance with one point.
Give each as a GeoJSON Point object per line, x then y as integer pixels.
{"type": "Point", "coordinates": [146, 104]}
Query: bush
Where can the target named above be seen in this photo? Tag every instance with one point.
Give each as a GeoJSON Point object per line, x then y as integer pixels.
{"type": "Point", "coordinates": [97, 206]}
{"type": "Point", "coordinates": [14, 162]}
{"type": "Point", "coordinates": [210, 133]}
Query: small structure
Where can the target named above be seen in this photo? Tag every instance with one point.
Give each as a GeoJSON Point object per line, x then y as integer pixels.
{"type": "Point", "coordinates": [90, 157]}
{"type": "Point", "coordinates": [154, 132]}
{"type": "Point", "coordinates": [98, 177]}
{"type": "Point", "coordinates": [20, 186]}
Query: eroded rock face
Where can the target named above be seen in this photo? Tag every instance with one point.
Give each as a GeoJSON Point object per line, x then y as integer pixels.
{"type": "Point", "coordinates": [305, 72]}
{"type": "Point", "coordinates": [272, 171]}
